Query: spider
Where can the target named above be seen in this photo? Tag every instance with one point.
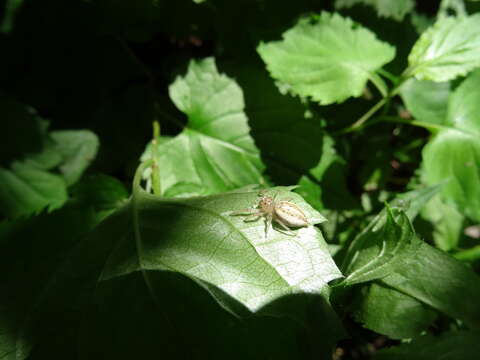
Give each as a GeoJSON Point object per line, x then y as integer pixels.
{"type": "Point", "coordinates": [285, 213]}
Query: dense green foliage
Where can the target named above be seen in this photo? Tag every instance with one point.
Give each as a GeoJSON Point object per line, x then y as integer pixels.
{"type": "Point", "coordinates": [138, 136]}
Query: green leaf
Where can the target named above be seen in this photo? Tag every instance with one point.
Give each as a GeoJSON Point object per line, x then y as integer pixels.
{"type": "Point", "coordinates": [447, 223]}
{"type": "Point", "coordinates": [328, 58]}
{"type": "Point", "coordinates": [380, 248]}
{"type": "Point", "coordinates": [392, 313]}
{"type": "Point", "coordinates": [25, 189]}
{"type": "Point", "coordinates": [214, 152]}
{"type": "Point", "coordinates": [210, 243]}
{"type": "Point", "coordinates": [448, 49]}
{"type": "Point", "coordinates": [454, 153]}
{"type": "Point", "coordinates": [29, 186]}
{"type": "Point", "coordinates": [389, 238]}
{"type": "Point", "coordinates": [191, 239]}
{"type": "Point", "coordinates": [78, 148]}
{"type": "Point", "coordinates": [426, 100]}
{"type": "Point", "coordinates": [396, 9]}
{"type": "Point", "coordinates": [461, 345]}
{"type": "Point", "coordinates": [440, 281]}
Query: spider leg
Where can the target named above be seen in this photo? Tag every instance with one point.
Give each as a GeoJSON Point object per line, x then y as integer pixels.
{"type": "Point", "coordinates": [253, 217]}
{"type": "Point", "coordinates": [268, 224]}
{"type": "Point", "coordinates": [244, 212]}
{"type": "Point", "coordinates": [285, 227]}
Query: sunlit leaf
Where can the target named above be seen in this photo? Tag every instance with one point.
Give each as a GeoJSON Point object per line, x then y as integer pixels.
{"type": "Point", "coordinates": [214, 152]}
{"type": "Point", "coordinates": [448, 49]}
{"type": "Point", "coordinates": [327, 58]}
{"type": "Point", "coordinates": [426, 100]}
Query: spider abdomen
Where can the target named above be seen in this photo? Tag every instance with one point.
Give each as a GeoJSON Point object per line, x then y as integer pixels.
{"type": "Point", "coordinates": [290, 214]}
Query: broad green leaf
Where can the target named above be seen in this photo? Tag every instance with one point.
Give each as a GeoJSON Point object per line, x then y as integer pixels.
{"type": "Point", "coordinates": [214, 152]}
{"type": "Point", "coordinates": [440, 281]}
{"type": "Point", "coordinates": [453, 154]}
{"type": "Point", "coordinates": [202, 237]}
{"type": "Point", "coordinates": [426, 100]}
{"type": "Point", "coordinates": [461, 345]}
{"type": "Point", "coordinates": [78, 149]}
{"type": "Point", "coordinates": [25, 189]}
{"type": "Point", "coordinates": [327, 58]}
{"type": "Point", "coordinates": [396, 9]}
{"type": "Point", "coordinates": [448, 49]}
{"type": "Point", "coordinates": [447, 223]}
{"type": "Point", "coordinates": [140, 247]}
{"type": "Point", "coordinates": [392, 313]}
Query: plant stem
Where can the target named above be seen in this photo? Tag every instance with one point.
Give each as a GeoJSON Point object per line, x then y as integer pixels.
{"type": "Point", "coordinates": [156, 184]}
{"type": "Point", "coordinates": [394, 79]}
{"type": "Point", "coordinates": [357, 125]}
{"type": "Point", "coordinates": [379, 84]}
{"type": "Point", "coordinates": [426, 125]}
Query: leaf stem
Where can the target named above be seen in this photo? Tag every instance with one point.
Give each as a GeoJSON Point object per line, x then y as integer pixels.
{"type": "Point", "coordinates": [359, 124]}
{"type": "Point", "coordinates": [379, 84]}
{"type": "Point", "coordinates": [426, 125]}
{"type": "Point", "coordinates": [394, 79]}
